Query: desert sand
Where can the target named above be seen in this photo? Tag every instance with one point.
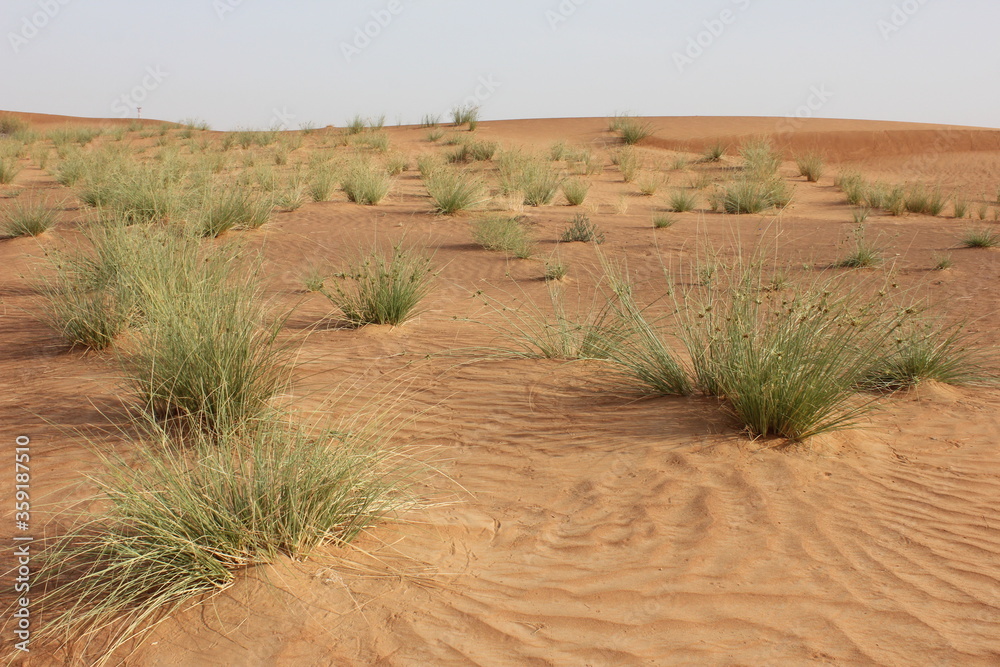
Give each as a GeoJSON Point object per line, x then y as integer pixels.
{"type": "Point", "coordinates": [566, 524]}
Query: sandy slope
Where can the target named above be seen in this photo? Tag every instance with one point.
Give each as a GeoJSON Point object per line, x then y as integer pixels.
{"type": "Point", "coordinates": [575, 526]}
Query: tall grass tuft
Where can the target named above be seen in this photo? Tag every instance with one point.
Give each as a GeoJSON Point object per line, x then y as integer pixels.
{"type": "Point", "coordinates": [944, 353]}
{"type": "Point", "coordinates": [810, 166]}
{"type": "Point", "coordinates": [502, 233]}
{"type": "Point", "coordinates": [575, 190]}
{"type": "Point", "coordinates": [23, 219]}
{"type": "Point", "coordinates": [454, 191]}
{"type": "Point", "coordinates": [981, 237]}
{"type": "Point", "coordinates": [207, 350]}
{"type": "Point", "coordinates": [365, 183]}
{"type": "Point", "coordinates": [751, 195]}
{"type": "Point", "coordinates": [186, 517]}
{"type": "Point", "coordinates": [786, 364]}
{"type": "Point", "coordinates": [9, 169]}
{"type": "Point", "coordinates": [760, 160]}
{"type": "Point", "coordinates": [682, 201]}
{"type": "Point", "coordinates": [234, 208]}
{"type": "Point", "coordinates": [382, 288]}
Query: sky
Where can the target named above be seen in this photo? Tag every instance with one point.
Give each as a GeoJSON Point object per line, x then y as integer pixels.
{"type": "Point", "coordinates": [260, 64]}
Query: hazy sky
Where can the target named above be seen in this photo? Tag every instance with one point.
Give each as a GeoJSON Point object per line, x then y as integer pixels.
{"type": "Point", "coordinates": [254, 63]}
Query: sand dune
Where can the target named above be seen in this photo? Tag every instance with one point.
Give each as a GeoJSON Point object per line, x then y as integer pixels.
{"type": "Point", "coordinates": [572, 525]}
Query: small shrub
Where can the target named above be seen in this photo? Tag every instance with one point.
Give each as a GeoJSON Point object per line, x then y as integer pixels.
{"type": "Point", "coordinates": [434, 135]}
{"type": "Point", "coordinates": [504, 234]}
{"type": "Point", "coordinates": [582, 229]}
{"type": "Point", "coordinates": [555, 270]}
{"type": "Point", "coordinates": [356, 125]}
{"type": "Point", "coordinates": [381, 289]}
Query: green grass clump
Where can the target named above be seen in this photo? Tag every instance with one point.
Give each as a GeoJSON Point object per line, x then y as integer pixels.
{"type": "Point", "coordinates": [435, 135]}
{"type": "Point", "coordinates": [575, 190]}
{"type": "Point", "coordinates": [9, 169]}
{"type": "Point", "coordinates": [502, 233]}
{"type": "Point", "coordinates": [630, 129]}
{"type": "Point", "coordinates": [430, 120]}
{"type": "Point", "coordinates": [682, 201]}
{"type": "Point", "coordinates": [187, 515]}
{"type": "Point", "coordinates": [714, 152]}
{"type": "Point", "coordinates": [981, 237]}
{"type": "Point", "coordinates": [929, 351]}
{"type": "Point", "coordinates": [12, 125]}
{"type": "Point", "coordinates": [322, 182]}
{"type": "Point", "coordinates": [365, 183]}
{"type": "Point", "coordinates": [550, 331]}
{"type": "Point", "coordinates": [628, 163]}
{"type": "Point", "coordinates": [926, 202]}
{"type": "Point", "coordinates": [760, 160]}
{"type": "Point", "coordinates": [810, 166]}
{"type": "Point", "coordinates": [465, 115]}
{"type": "Point", "coordinates": [538, 182]}
{"type": "Point", "coordinates": [23, 219]}
{"type": "Point", "coordinates": [582, 229]}
{"type": "Point", "coordinates": [381, 288]}
{"type": "Point", "coordinates": [356, 125]}
{"type": "Point", "coordinates": [664, 221]}
{"type": "Point", "coordinates": [396, 164]}
{"type": "Point", "coordinates": [555, 270]}
{"type": "Point", "coordinates": [961, 207]}
{"type": "Point", "coordinates": [454, 191]}
{"type": "Point", "coordinates": [233, 208]}
{"type": "Point", "coordinates": [751, 195]}
{"type": "Point", "coordinates": [864, 255]}
{"type": "Point", "coordinates": [786, 364]}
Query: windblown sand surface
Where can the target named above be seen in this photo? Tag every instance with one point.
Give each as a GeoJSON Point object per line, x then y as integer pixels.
{"type": "Point", "coordinates": [570, 525]}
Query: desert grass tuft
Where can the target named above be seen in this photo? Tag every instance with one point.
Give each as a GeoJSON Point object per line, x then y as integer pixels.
{"type": "Point", "coordinates": [454, 191]}
{"type": "Point", "coordinates": [575, 191]}
{"type": "Point", "coordinates": [980, 237]}
{"type": "Point", "coordinates": [24, 219]}
{"type": "Point", "coordinates": [682, 201]}
{"type": "Point", "coordinates": [501, 233]}
{"type": "Point", "coordinates": [810, 166]}
{"type": "Point", "coordinates": [365, 183]}
{"type": "Point", "coordinates": [382, 287]}
{"type": "Point", "coordinates": [187, 515]}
